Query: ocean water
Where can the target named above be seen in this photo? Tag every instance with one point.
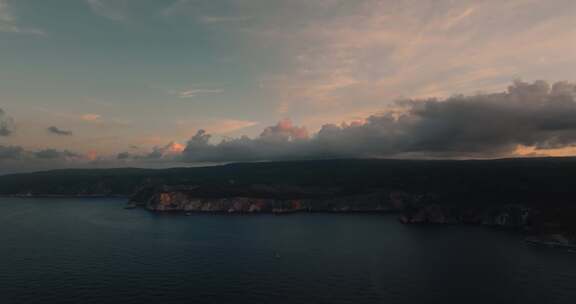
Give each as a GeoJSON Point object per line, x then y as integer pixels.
{"type": "Point", "coordinates": [94, 251]}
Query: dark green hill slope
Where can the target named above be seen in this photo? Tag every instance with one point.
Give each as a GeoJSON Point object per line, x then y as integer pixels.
{"type": "Point", "coordinates": [529, 180]}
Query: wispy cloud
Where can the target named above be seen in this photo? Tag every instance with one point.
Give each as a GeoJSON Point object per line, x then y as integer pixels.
{"type": "Point", "coordinates": [225, 126]}
{"type": "Point", "coordinates": [383, 50]}
{"type": "Point", "coordinates": [91, 117]}
{"type": "Point", "coordinates": [223, 19]}
{"type": "Point", "coordinates": [82, 117]}
{"type": "Point", "coordinates": [108, 9]}
{"type": "Point", "coordinates": [458, 17]}
{"type": "Point", "coordinates": [217, 126]}
{"type": "Point", "coordinates": [189, 93]}
{"type": "Point", "coordinates": [174, 8]}
{"type": "Point", "coordinates": [196, 11]}
{"type": "Point", "coordinates": [9, 22]}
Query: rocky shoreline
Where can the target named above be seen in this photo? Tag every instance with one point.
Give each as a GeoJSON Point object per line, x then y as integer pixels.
{"type": "Point", "coordinates": [412, 209]}
{"type": "Point", "coordinates": [258, 199]}
{"type": "Point", "coordinates": [549, 227]}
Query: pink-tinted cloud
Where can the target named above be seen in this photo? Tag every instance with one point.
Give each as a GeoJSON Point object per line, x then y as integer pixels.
{"type": "Point", "coordinates": [91, 117]}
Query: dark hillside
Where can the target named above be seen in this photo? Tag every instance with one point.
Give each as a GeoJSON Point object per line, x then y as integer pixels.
{"type": "Point", "coordinates": [529, 181]}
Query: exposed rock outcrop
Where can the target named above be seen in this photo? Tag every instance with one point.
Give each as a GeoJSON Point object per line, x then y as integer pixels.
{"type": "Point", "coordinates": [263, 199]}
{"type": "Point", "coordinates": [414, 208]}
{"type": "Point", "coordinates": [509, 216]}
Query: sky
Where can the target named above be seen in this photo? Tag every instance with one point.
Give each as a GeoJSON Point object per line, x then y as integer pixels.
{"type": "Point", "coordinates": [156, 83]}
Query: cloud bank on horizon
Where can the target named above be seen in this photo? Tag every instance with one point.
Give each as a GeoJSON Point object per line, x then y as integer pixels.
{"type": "Point", "coordinates": [487, 125]}
{"type": "Point", "coordinates": [537, 116]}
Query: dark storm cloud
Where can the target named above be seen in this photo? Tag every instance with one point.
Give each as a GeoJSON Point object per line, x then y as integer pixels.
{"type": "Point", "coordinates": [124, 156]}
{"type": "Point", "coordinates": [15, 159]}
{"type": "Point", "coordinates": [282, 141]}
{"type": "Point", "coordinates": [54, 154]}
{"type": "Point", "coordinates": [6, 124]}
{"type": "Point", "coordinates": [57, 131]}
{"type": "Point", "coordinates": [8, 153]}
{"type": "Point", "coordinates": [530, 114]}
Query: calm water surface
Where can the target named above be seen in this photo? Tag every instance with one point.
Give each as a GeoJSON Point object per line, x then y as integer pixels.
{"type": "Point", "coordinates": [94, 251]}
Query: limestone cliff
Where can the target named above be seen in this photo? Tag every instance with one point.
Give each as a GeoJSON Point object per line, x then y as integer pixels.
{"type": "Point", "coordinates": [260, 199]}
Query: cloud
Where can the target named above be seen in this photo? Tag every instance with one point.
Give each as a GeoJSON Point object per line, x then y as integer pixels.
{"type": "Point", "coordinates": [108, 8]}
{"type": "Point", "coordinates": [342, 55]}
{"type": "Point", "coordinates": [57, 131]}
{"type": "Point", "coordinates": [18, 159]}
{"type": "Point", "coordinates": [6, 124]}
{"type": "Point", "coordinates": [9, 21]}
{"type": "Point", "coordinates": [124, 155]}
{"type": "Point", "coordinates": [54, 154]}
{"type": "Point", "coordinates": [169, 151]}
{"type": "Point", "coordinates": [10, 153]}
{"type": "Point", "coordinates": [111, 122]}
{"type": "Point", "coordinates": [208, 12]}
{"type": "Point", "coordinates": [282, 141]}
{"type": "Point", "coordinates": [284, 131]}
{"type": "Point", "coordinates": [485, 125]}
{"type": "Point", "coordinates": [226, 126]}
{"type": "Point", "coordinates": [223, 19]}
{"type": "Point", "coordinates": [459, 17]}
{"type": "Point", "coordinates": [90, 117]}
{"type": "Point", "coordinates": [174, 8]}
{"type": "Point", "coordinates": [195, 92]}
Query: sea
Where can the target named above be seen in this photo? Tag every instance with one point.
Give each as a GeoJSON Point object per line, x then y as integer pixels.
{"type": "Point", "coordinates": [95, 251]}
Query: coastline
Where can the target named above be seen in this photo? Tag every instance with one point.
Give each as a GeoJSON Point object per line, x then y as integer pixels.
{"type": "Point", "coordinates": [427, 215]}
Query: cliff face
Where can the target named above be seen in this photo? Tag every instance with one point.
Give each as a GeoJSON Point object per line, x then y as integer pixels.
{"type": "Point", "coordinates": [413, 208]}
{"type": "Point", "coordinates": [178, 201]}
{"type": "Point", "coordinates": [263, 200]}
{"type": "Point", "coordinates": [510, 216]}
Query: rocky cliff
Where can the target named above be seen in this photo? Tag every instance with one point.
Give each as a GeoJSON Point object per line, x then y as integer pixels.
{"type": "Point", "coordinates": [511, 216]}
{"type": "Point", "coordinates": [414, 208]}
{"type": "Point", "coordinates": [262, 199]}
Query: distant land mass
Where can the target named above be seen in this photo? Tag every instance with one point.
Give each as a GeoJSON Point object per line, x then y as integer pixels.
{"type": "Point", "coordinates": [526, 193]}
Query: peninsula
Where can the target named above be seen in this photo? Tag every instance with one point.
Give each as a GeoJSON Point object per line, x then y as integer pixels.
{"type": "Point", "coordinates": [528, 194]}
